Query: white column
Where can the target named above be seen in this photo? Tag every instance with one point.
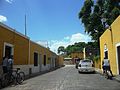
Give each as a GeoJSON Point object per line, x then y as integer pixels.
{"type": "Point", "coordinates": [84, 53]}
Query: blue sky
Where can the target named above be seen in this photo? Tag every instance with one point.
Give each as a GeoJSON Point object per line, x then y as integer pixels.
{"type": "Point", "coordinates": [52, 21]}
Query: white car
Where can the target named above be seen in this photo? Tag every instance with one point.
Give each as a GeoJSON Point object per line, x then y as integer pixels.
{"type": "Point", "coordinates": [86, 66]}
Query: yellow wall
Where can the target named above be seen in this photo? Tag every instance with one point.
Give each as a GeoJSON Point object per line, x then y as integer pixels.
{"type": "Point", "coordinates": [61, 60]}
{"type": "Point", "coordinates": [40, 50]}
{"type": "Point", "coordinates": [98, 64]}
{"type": "Point", "coordinates": [34, 47]}
{"type": "Point", "coordinates": [20, 45]}
{"type": "Point", "coordinates": [111, 38]}
{"type": "Point", "coordinates": [77, 55]}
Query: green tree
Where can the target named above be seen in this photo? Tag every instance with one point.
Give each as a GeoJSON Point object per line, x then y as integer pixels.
{"type": "Point", "coordinates": [97, 15]}
{"type": "Point", "coordinates": [77, 47]}
{"type": "Point", "coordinates": [91, 47]}
{"type": "Point", "coordinates": [61, 49]}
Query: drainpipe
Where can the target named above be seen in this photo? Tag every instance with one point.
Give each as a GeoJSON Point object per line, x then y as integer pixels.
{"type": "Point", "coordinates": [30, 71]}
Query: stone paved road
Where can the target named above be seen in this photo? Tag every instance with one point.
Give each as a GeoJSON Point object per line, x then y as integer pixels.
{"type": "Point", "coordinates": [67, 78]}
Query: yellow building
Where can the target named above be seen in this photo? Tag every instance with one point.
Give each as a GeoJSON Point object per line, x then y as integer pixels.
{"type": "Point", "coordinates": [77, 55]}
{"type": "Point", "coordinates": [10, 42]}
{"type": "Point", "coordinates": [110, 46]}
{"type": "Point", "coordinates": [28, 55]}
{"type": "Point", "coordinates": [61, 62]}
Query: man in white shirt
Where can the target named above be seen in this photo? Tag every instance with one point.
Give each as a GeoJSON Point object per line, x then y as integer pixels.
{"type": "Point", "coordinates": [106, 66]}
{"type": "Point", "coordinates": [10, 64]}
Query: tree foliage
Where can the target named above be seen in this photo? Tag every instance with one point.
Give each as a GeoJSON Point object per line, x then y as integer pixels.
{"type": "Point", "coordinates": [78, 47]}
{"type": "Point", "coordinates": [61, 49]}
{"type": "Point", "coordinates": [93, 14]}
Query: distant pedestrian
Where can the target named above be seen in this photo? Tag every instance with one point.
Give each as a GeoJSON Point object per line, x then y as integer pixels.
{"type": "Point", "coordinates": [106, 66]}
{"type": "Point", "coordinates": [77, 60]}
{"type": "Point", "coordinates": [10, 64]}
{"type": "Point", "coordinates": [5, 64]}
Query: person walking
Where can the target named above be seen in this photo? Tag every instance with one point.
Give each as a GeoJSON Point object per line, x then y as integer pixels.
{"type": "Point", "coordinates": [5, 64]}
{"type": "Point", "coordinates": [10, 64]}
{"type": "Point", "coordinates": [106, 66]}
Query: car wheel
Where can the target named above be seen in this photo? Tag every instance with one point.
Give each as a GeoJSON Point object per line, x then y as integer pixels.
{"type": "Point", "coordinates": [93, 72]}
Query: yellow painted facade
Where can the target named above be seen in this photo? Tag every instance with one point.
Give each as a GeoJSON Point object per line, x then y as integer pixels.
{"type": "Point", "coordinates": [35, 48]}
{"type": "Point", "coordinates": [24, 50]}
{"type": "Point", "coordinates": [97, 64]}
{"type": "Point", "coordinates": [18, 42]}
{"type": "Point", "coordinates": [61, 60]}
{"type": "Point", "coordinates": [77, 55]}
{"type": "Point", "coordinates": [109, 41]}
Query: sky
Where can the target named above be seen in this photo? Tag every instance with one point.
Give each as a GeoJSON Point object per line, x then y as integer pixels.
{"type": "Point", "coordinates": [51, 23]}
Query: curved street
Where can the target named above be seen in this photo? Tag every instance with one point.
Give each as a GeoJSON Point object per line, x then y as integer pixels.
{"type": "Point", "coordinates": [67, 78]}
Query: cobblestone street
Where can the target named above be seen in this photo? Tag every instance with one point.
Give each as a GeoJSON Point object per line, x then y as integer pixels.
{"type": "Point", "coordinates": [67, 78]}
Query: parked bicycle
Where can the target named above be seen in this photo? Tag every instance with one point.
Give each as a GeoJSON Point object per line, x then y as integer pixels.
{"type": "Point", "coordinates": [16, 77]}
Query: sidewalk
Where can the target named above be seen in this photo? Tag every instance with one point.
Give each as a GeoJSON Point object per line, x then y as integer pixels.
{"type": "Point", "coordinates": [116, 77]}
{"type": "Point", "coordinates": [42, 72]}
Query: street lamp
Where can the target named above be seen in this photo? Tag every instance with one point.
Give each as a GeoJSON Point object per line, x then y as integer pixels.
{"type": "Point", "coordinates": [106, 26]}
{"type": "Point", "coordinates": [104, 22]}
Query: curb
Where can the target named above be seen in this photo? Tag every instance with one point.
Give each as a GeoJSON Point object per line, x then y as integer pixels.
{"type": "Point", "coordinates": [41, 73]}
{"type": "Point", "coordinates": [98, 71]}
{"type": "Point", "coordinates": [116, 79]}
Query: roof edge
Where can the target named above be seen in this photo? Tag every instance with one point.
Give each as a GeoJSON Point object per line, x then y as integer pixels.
{"type": "Point", "coordinates": [13, 30]}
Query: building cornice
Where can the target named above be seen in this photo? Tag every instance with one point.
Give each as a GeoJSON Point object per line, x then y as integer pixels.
{"type": "Point", "coordinates": [13, 30]}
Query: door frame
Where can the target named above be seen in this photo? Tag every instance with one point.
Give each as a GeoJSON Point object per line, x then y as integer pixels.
{"type": "Point", "coordinates": [10, 45]}
{"type": "Point", "coordinates": [117, 45]}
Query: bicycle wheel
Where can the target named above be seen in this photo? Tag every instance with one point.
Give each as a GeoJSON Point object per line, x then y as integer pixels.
{"type": "Point", "coordinates": [109, 75]}
{"type": "Point", "coordinates": [0, 83]}
{"type": "Point", "coordinates": [12, 79]}
{"type": "Point", "coordinates": [19, 78]}
{"type": "Point", "coordinates": [5, 80]}
{"type": "Point", "coordinates": [22, 74]}
{"type": "Point", "coordinates": [105, 74]}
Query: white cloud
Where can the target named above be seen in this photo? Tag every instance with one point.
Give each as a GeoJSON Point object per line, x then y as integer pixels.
{"type": "Point", "coordinates": [55, 44]}
{"type": "Point", "coordinates": [3, 18]}
{"type": "Point", "coordinates": [9, 1]}
{"type": "Point", "coordinates": [69, 40]}
{"type": "Point", "coordinates": [79, 38]}
{"type": "Point", "coordinates": [43, 43]}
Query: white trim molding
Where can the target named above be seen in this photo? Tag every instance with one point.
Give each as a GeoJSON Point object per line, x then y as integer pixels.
{"type": "Point", "coordinates": [118, 44]}
{"type": "Point", "coordinates": [10, 45]}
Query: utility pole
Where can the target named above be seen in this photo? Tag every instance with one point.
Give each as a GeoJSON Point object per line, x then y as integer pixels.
{"type": "Point", "coordinates": [25, 26]}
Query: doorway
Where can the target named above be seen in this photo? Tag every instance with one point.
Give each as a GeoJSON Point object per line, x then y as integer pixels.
{"type": "Point", "coordinates": [8, 50]}
{"type": "Point", "coordinates": [118, 56]}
